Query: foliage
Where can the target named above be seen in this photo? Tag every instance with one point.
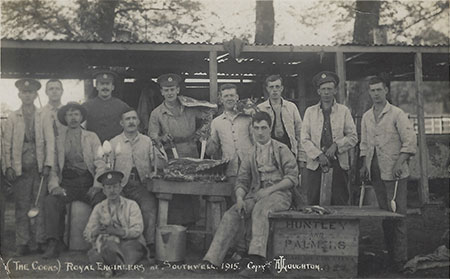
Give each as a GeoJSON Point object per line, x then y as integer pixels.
{"type": "Point", "coordinates": [419, 22]}
{"type": "Point", "coordinates": [105, 19]}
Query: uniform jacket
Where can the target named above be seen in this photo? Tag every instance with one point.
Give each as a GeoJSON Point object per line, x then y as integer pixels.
{"type": "Point", "coordinates": [292, 122]}
{"type": "Point", "coordinates": [90, 144]}
{"type": "Point", "coordinates": [249, 178]}
{"type": "Point", "coordinates": [392, 135]}
{"type": "Point", "coordinates": [343, 130]}
{"type": "Point", "coordinates": [14, 137]}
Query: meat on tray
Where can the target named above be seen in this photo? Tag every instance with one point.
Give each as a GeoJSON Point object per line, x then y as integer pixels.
{"type": "Point", "coordinates": [191, 169]}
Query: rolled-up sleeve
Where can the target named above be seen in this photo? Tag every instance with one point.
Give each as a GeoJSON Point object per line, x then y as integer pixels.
{"type": "Point", "coordinates": [100, 165]}
{"type": "Point", "coordinates": [213, 143]}
{"type": "Point", "coordinates": [407, 135]}
{"type": "Point", "coordinates": [7, 142]}
{"type": "Point", "coordinates": [136, 223]}
{"type": "Point", "coordinates": [154, 128]}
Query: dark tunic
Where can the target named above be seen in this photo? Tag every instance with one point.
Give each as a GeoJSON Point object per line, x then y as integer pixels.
{"type": "Point", "coordinates": [103, 117]}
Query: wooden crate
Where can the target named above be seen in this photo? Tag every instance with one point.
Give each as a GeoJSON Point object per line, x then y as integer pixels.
{"type": "Point", "coordinates": [319, 245]}
{"type": "Point", "coordinates": [314, 247]}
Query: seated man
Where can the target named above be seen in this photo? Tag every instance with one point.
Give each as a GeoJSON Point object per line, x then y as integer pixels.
{"type": "Point", "coordinates": [72, 178]}
{"type": "Point", "coordinates": [115, 227]}
{"type": "Point", "coordinates": [263, 185]}
{"type": "Point", "coordinates": [133, 156]}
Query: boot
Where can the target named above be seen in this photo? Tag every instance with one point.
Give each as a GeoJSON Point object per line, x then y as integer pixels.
{"type": "Point", "coordinates": [52, 250]}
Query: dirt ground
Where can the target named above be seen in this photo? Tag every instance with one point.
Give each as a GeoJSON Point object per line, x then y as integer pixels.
{"type": "Point", "coordinates": [425, 229]}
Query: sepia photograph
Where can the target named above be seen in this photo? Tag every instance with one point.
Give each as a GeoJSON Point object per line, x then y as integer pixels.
{"type": "Point", "coordinates": [224, 138]}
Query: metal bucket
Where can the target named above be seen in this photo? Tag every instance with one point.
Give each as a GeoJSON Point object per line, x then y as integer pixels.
{"type": "Point", "coordinates": [370, 197]}
{"type": "Point", "coordinates": [170, 243]}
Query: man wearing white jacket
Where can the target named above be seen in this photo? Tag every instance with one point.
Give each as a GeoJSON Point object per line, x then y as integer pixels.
{"type": "Point", "coordinates": [29, 155]}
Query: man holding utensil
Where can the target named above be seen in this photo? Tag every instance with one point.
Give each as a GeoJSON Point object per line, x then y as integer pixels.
{"type": "Point", "coordinates": [79, 162]}
{"type": "Point", "coordinates": [173, 126]}
{"type": "Point", "coordinates": [29, 155]}
{"type": "Point", "coordinates": [387, 142]}
{"type": "Point", "coordinates": [328, 133]}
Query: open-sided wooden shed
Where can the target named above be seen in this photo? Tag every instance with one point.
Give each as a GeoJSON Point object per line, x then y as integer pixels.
{"type": "Point", "coordinates": [211, 62]}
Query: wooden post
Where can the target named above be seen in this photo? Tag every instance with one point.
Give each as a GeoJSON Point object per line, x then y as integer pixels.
{"type": "Point", "coordinates": [88, 89]}
{"type": "Point", "coordinates": [340, 71]}
{"type": "Point", "coordinates": [422, 152]}
{"type": "Point", "coordinates": [213, 76]}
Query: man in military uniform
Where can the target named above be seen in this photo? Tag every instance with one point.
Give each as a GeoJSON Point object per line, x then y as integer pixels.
{"type": "Point", "coordinates": [104, 111]}
{"type": "Point", "coordinates": [79, 162]}
{"type": "Point", "coordinates": [173, 124]}
{"type": "Point", "coordinates": [115, 227]}
{"type": "Point", "coordinates": [328, 133]}
{"type": "Point", "coordinates": [29, 155]}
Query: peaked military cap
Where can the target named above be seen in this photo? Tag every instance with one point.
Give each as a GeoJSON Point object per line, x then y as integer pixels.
{"type": "Point", "coordinates": [104, 75]}
{"type": "Point", "coordinates": [325, 76]}
{"type": "Point", "coordinates": [110, 177]}
{"type": "Point", "coordinates": [28, 84]}
{"type": "Point", "coordinates": [169, 80]}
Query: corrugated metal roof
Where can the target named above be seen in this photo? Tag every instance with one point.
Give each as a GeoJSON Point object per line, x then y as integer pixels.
{"type": "Point", "coordinates": [124, 41]}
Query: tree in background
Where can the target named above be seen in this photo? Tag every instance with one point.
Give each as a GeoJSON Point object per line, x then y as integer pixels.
{"type": "Point", "coordinates": [367, 16]}
{"type": "Point", "coordinates": [265, 22]}
{"type": "Point", "coordinates": [105, 19]}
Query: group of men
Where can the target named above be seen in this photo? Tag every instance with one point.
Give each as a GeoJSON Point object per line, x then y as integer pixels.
{"type": "Point", "coordinates": [266, 151]}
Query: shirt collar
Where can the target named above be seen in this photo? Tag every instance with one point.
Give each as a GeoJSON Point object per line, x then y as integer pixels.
{"type": "Point", "coordinates": [125, 139]}
{"type": "Point", "coordinates": [269, 103]}
{"type": "Point", "coordinates": [333, 106]}
{"type": "Point", "coordinates": [165, 109]}
{"type": "Point", "coordinates": [121, 201]}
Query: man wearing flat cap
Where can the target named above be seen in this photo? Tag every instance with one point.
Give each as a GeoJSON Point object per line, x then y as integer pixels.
{"type": "Point", "coordinates": [28, 153]}
{"type": "Point", "coordinates": [328, 132]}
{"type": "Point", "coordinates": [78, 163]}
{"type": "Point", "coordinates": [173, 124]}
{"type": "Point", "coordinates": [115, 227]}
{"type": "Point", "coordinates": [104, 111]}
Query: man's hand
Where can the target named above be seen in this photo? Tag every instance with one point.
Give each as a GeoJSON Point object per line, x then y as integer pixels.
{"type": "Point", "coordinates": [166, 138]}
{"type": "Point", "coordinates": [113, 231]}
{"type": "Point", "coordinates": [92, 192]}
{"type": "Point", "coordinates": [364, 172]}
{"type": "Point", "coordinates": [96, 232]}
{"type": "Point", "coordinates": [262, 193]}
{"type": "Point", "coordinates": [46, 171]}
{"type": "Point", "coordinates": [323, 160]}
{"type": "Point", "coordinates": [58, 191]}
{"type": "Point", "coordinates": [10, 174]}
{"type": "Point", "coordinates": [240, 207]}
{"type": "Point", "coordinates": [331, 152]}
{"type": "Point", "coordinates": [397, 170]}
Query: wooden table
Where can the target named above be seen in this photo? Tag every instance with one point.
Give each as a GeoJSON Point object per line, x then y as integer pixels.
{"type": "Point", "coordinates": [319, 245]}
{"type": "Point", "coordinates": [214, 194]}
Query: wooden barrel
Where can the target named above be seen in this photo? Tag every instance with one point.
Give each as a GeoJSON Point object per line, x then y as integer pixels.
{"type": "Point", "coordinates": [78, 217]}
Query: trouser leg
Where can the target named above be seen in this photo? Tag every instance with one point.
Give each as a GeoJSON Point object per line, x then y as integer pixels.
{"type": "Point", "coordinates": [312, 183]}
{"type": "Point", "coordinates": [226, 232]}
{"type": "Point", "coordinates": [23, 189]}
{"type": "Point", "coordinates": [147, 203]}
{"type": "Point", "coordinates": [132, 251]}
{"type": "Point", "coordinates": [339, 190]}
{"type": "Point", "coordinates": [40, 218]}
{"type": "Point", "coordinates": [395, 231]}
{"type": "Point", "coordinates": [277, 201]}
